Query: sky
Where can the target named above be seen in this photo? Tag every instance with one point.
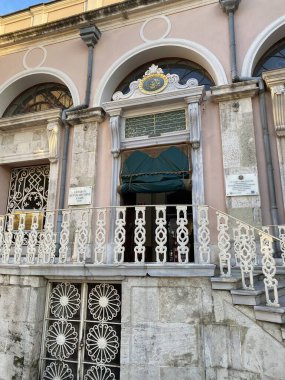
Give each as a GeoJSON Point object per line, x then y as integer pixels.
{"type": "Point", "coordinates": [10, 6]}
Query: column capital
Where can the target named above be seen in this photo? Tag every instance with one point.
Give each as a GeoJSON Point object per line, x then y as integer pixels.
{"type": "Point", "coordinates": [234, 91]}
{"type": "Point", "coordinates": [274, 78]}
{"type": "Point", "coordinates": [88, 115]}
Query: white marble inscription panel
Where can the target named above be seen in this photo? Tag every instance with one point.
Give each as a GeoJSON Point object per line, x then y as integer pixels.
{"type": "Point", "coordinates": [242, 184]}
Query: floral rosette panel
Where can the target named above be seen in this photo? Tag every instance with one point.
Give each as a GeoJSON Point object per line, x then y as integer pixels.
{"type": "Point", "coordinates": [104, 302]}
{"type": "Point", "coordinates": [99, 373]}
{"type": "Point", "coordinates": [61, 340]}
{"type": "Point", "coordinates": [57, 371]}
{"type": "Point", "coordinates": [64, 301]}
{"type": "Point", "coordinates": [102, 343]}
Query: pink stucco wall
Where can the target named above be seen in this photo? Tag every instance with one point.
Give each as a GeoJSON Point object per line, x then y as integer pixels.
{"type": "Point", "coordinates": [204, 25]}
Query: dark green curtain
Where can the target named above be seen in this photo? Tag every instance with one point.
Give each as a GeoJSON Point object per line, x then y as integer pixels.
{"type": "Point", "coordinates": [144, 174]}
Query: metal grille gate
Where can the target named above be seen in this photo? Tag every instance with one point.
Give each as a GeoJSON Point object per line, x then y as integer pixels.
{"type": "Point", "coordinates": [82, 332]}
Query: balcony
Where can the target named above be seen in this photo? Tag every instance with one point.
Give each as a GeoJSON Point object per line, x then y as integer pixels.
{"type": "Point", "coordinates": [164, 240]}
{"type": "Point", "coordinates": [141, 240]}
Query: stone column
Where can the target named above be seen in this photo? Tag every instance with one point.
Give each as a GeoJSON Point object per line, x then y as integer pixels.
{"type": "Point", "coordinates": [115, 124]}
{"type": "Point", "coordinates": [84, 164]}
{"type": "Point", "coordinates": [198, 198]}
{"type": "Point", "coordinates": [84, 149]}
{"type": "Point", "coordinates": [238, 142]}
{"type": "Point", "coordinates": [275, 81]}
{"type": "Point", "coordinates": [54, 134]}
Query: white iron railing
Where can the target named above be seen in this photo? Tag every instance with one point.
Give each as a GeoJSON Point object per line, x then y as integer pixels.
{"type": "Point", "coordinates": [84, 236]}
{"type": "Point", "coordinates": [249, 248]}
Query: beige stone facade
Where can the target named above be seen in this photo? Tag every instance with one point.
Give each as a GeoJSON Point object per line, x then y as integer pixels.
{"type": "Point", "coordinates": [179, 275]}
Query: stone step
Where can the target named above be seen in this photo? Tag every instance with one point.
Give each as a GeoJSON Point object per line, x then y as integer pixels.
{"type": "Point", "coordinates": [272, 314]}
{"type": "Point", "coordinates": [226, 283]}
{"type": "Point", "coordinates": [253, 297]}
{"type": "Point", "coordinates": [233, 282]}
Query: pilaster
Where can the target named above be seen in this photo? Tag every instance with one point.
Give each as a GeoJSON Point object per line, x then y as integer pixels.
{"type": "Point", "coordinates": [239, 150]}
{"type": "Point", "coordinates": [84, 149]}
{"type": "Point", "coordinates": [198, 198]}
{"type": "Point", "coordinates": [275, 82]}
{"type": "Point", "coordinates": [54, 136]}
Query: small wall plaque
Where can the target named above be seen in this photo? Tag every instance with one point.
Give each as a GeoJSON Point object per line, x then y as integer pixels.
{"type": "Point", "coordinates": [242, 184]}
{"type": "Point", "coordinates": [79, 196]}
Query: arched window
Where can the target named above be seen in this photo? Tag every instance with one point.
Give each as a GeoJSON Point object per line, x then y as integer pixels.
{"type": "Point", "coordinates": [183, 68]}
{"type": "Point", "coordinates": [273, 59]}
{"type": "Point", "coordinates": [41, 97]}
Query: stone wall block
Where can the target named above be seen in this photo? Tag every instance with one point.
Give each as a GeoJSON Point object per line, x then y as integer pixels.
{"type": "Point", "coordinates": [84, 155]}
{"type": "Point", "coordinates": [180, 304]}
{"type": "Point", "coordinates": [139, 372]}
{"type": "Point", "coordinates": [85, 136]}
{"type": "Point", "coordinates": [24, 347]}
{"type": "Point", "coordinates": [173, 344]}
{"type": "Point", "coordinates": [145, 307]}
{"type": "Point", "coordinates": [171, 373]}
{"type": "Point", "coordinates": [13, 302]}
{"type": "Point", "coordinates": [32, 281]}
{"type": "Point", "coordinates": [215, 344]}
{"type": "Point", "coordinates": [7, 370]}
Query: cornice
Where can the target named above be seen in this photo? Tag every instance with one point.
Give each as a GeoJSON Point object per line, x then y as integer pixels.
{"type": "Point", "coordinates": [247, 89]}
{"type": "Point", "coordinates": [106, 18]}
{"type": "Point", "coordinates": [29, 119]}
{"type": "Point", "coordinates": [88, 115]}
{"type": "Point", "coordinates": [274, 77]}
{"type": "Point", "coordinates": [195, 93]}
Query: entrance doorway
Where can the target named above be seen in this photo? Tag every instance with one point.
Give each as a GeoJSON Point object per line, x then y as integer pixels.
{"type": "Point", "coordinates": [171, 199]}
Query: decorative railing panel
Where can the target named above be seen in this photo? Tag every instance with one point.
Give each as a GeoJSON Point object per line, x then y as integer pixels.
{"type": "Point", "coordinates": [142, 234]}
{"type": "Point", "coordinates": [80, 236]}
{"type": "Point", "coordinates": [82, 332]}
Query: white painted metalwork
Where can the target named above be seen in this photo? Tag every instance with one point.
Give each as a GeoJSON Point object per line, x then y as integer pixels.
{"type": "Point", "coordinates": [104, 302]}
{"type": "Point", "coordinates": [140, 234]}
{"type": "Point", "coordinates": [60, 371]}
{"type": "Point", "coordinates": [41, 248]}
{"type": "Point", "coordinates": [19, 239]}
{"type": "Point", "coordinates": [61, 339]}
{"type": "Point", "coordinates": [182, 234]}
{"type": "Point", "coordinates": [99, 373]}
{"type": "Point", "coordinates": [8, 237]}
{"type": "Point", "coordinates": [269, 269]}
{"type": "Point", "coordinates": [28, 188]}
{"type": "Point", "coordinates": [203, 234]}
{"type": "Point", "coordinates": [160, 234]}
{"type": "Point", "coordinates": [245, 253]}
{"type": "Point", "coordinates": [81, 239]}
{"type": "Point", "coordinates": [102, 343]}
{"type": "Point", "coordinates": [49, 239]}
{"type": "Point", "coordinates": [282, 242]}
{"type": "Point", "coordinates": [120, 235]}
{"type": "Point", "coordinates": [33, 239]}
{"type": "Point", "coordinates": [2, 224]}
{"type": "Point", "coordinates": [236, 246]}
{"type": "Point", "coordinates": [64, 237]}
{"type": "Point", "coordinates": [81, 338]}
{"type": "Point", "coordinates": [100, 237]}
{"type": "Point", "coordinates": [224, 244]}
{"type": "Point", "coordinates": [64, 301]}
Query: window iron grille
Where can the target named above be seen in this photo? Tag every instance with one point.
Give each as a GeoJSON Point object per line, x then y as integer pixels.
{"type": "Point", "coordinates": [183, 68]}
{"type": "Point", "coordinates": [28, 188]}
{"type": "Point", "coordinates": [40, 98]}
{"type": "Point", "coordinates": [274, 58]}
{"type": "Point", "coordinates": [155, 124]}
{"type": "Point", "coordinates": [82, 332]}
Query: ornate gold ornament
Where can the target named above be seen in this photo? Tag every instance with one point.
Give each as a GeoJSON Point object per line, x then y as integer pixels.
{"type": "Point", "coordinates": [153, 83]}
